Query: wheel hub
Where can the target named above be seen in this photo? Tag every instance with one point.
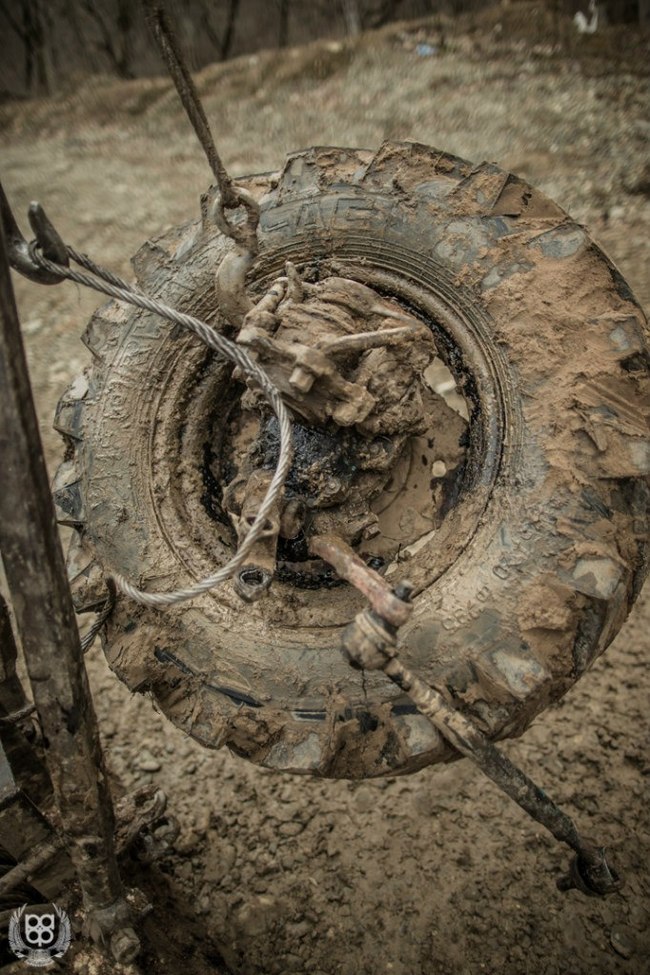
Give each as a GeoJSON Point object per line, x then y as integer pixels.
{"type": "Point", "coordinates": [356, 370]}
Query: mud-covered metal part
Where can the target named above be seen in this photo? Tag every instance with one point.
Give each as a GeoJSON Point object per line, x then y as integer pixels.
{"type": "Point", "coordinates": [26, 830]}
{"type": "Point", "coordinates": [594, 873]}
{"type": "Point", "coordinates": [311, 339]}
{"type": "Point", "coordinates": [46, 865]}
{"type": "Point", "coordinates": [35, 573]}
{"type": "Point", "coordinates": [139, 815]}
{"type": "Point", "coordinates": [590, 873]}
{"type": "Point", "coordinates": [392, 608]}
{"type": "Point", "coordinates": [231, 196]}
{"type": "Point", "coordinates": [370, 643]}
{"type": "Point", "coordinates": [19, 251]}
{"type": "Point", "coordinates": [254, 577]}
{"type": "Point", "coordinates": [230, 285]}
{"type": "Point", "coordinates": [325, 344]}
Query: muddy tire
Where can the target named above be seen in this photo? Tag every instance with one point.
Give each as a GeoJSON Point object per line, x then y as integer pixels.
{"type": "Point", "coordinates": [536, 564]}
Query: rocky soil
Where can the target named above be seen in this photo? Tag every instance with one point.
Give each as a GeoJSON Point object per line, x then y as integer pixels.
{"type": "Point", "coordinates": [436, 873]}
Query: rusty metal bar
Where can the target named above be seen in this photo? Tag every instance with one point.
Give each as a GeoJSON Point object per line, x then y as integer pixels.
{"type": "Point", "coordinates": [45, 621]}
{"type": "Point", "coordinates": [370, 642]}
{"type": "Point", "coordinates": [170, 51]}
{"type": "Point", "coordinates": [350, 567]}
{"type": "Point", "coordinates": [231, 197]}
{"type": "Point", "coordinates": [591, 867]}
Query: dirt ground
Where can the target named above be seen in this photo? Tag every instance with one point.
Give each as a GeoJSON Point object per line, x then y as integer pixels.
{"type": "Point", "coordinates": [437, 872]}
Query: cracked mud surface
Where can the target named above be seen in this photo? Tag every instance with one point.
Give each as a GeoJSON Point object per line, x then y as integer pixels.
{"type": "Point", "coordinates": [435, 873]}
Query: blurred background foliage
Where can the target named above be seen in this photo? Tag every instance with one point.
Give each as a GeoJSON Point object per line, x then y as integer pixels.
{"type": "Point", "coordinates": [49, 46]}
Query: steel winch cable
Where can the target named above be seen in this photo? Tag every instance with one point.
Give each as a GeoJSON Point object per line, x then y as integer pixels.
{"type": "Point", "coordinates": [110, 284]}
{"type": "Point", "coordinates": [46, 260]}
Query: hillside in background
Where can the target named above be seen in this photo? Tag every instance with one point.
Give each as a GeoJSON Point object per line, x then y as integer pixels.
{"type": "Point", "coordinates": [48, 45]}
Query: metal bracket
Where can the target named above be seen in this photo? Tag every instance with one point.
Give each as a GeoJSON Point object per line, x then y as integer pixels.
{"type": "Point", "coordinates": [19, 251]}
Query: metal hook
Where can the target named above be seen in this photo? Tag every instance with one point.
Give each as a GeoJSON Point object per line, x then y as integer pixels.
{"type": "Point", "coordinates": [19, 250]}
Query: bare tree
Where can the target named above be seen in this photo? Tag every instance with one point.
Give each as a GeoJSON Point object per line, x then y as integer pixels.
{"type": "Point", "coordinates": [115, 35]}
{"type": "Point", "coordinates": [229, 31]}
{"type": "Point", "coordinates": [28, 25]}
{"type": "Point", "coordinates": [382, 13]}
{"type": "Point", "coordinates": [283, 23]}
{"type": "Point", "coordinates": [359, 15]}
{"type": "Point", "coordinates": [352, 16]}
{"type": "Point", "coordinates": [71, 14]}
{"type": "Point", "coordinates": [223, 43]}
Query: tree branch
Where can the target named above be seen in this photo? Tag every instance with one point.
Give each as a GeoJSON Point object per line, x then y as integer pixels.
{"type": "Point", "coordinates": [106, 43]}
{"type": "Point", "coordinates": [383, 14]}
{"type": "Point", "coordinates": [15, 26]}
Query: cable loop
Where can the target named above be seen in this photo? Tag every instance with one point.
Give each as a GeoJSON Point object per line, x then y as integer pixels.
{"type": "Point", "coordinates": [244, 234]}
{"type": "Point", "coordinates": [113, 286]}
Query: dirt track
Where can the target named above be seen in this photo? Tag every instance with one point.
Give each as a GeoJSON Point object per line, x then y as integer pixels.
{"type": "Point", "coordinates": [436, 873]}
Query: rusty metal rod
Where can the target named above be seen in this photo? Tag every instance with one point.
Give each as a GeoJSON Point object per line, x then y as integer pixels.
{"type": "Point", "coordinates": [466, 738]}
{"type": "Point", "coordinates": [590, 868]}
{"type": "Point", "coordinates": [28, 868]}
{"type": "Point", "coordinates": [354, 570]}
{"type": "Point", "coordinates": [370, 643]}
{"type": "Point", "coordinates": [45, 621]}
{"type": "Point", "coordinates": [168, 46]}
{"type": "Point", "coordinates": [230, 195]}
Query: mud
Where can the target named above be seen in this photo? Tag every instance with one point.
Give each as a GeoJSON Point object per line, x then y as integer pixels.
{"type": "Point", "coordinates": [363, 420]}
{"type": "Point", "coordinates": [435, 873]}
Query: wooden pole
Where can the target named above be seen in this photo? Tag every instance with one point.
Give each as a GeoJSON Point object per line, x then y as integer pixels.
{"type": "Point", "coordinates": [45, 620]}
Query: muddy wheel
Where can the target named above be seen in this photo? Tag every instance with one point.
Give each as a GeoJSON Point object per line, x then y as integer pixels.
{"type": "Point", "coordinates": [537, 469]}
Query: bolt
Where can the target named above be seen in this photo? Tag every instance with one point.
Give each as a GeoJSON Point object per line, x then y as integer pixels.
{"type": "Point", "coordinates": [125, 946]}
{"type": "Point", "coordinates": [404, 590]}
{"type": "Point", "coordinates": [301, 380]}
